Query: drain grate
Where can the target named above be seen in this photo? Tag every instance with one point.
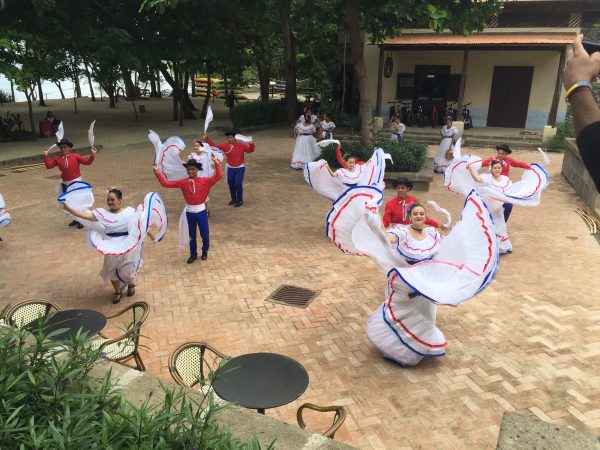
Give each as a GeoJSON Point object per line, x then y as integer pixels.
{"type": "Point", "coordinates": [296, 296]}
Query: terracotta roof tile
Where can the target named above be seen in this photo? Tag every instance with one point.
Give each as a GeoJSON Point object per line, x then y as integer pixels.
{"type": "Point", "coordinates": [482, 39]}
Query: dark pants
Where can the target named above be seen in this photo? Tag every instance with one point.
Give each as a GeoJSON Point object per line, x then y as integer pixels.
{"type": "Point", "coordinates": [235, 178]}
{"type": "Point", "coordinates": [507, 210]}
{"type": "Point", "coordinates": [64, 187]}
{"type": "Point", "coordinates": [201, 221]}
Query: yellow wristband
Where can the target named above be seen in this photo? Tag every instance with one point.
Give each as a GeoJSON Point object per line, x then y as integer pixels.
{"type": "Point", "coordinates": [576, 86]}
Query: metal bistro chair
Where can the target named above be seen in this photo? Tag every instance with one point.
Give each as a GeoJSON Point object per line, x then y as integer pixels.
{"type": "Point", "coordinates": [26, 312]}
{"type": "Point", "coordinates": [125, 347]}
{"type": "Point", "coordinates": [338, 418]}
{"type": "Point", "coordinates": [190, 367]}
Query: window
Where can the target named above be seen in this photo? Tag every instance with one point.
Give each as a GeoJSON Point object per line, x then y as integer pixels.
{"type": "Point", "coordinates": [405, 86]}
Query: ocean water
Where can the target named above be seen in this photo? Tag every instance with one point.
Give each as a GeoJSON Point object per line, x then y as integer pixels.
{"type": "Point", "coordinates": [50, 89]}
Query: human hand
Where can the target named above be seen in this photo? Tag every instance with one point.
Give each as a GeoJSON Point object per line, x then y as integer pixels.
{"type": "Point", "coordinates": [46, 152]}
{"type": "Point", "coordinates": [94, 150]}
{"type": "Point", "coordinates": [214, 158]}
{"type": "Point", "coordinates": [156, 168]}
{"type": "Point", "coordinates": [580, 66]}
{"type": "Point", "coordinates": [204, 135]}
{"type": "Point", "coordinates": [445, 229]}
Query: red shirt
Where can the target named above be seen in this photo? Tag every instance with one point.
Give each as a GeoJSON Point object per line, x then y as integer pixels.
{"type": "Point", "coordinates": [395, 212]}
{"type": "Point", "coordinates": [338, 154]}
{"type": "Point", "coordinates": [508, 162]}
{"type": "Point", "coordinates": [68, 164]}
{"type": "Point", "coordinates": [233, 152]}
{"type": "Point", "coordinates": [195, 190]}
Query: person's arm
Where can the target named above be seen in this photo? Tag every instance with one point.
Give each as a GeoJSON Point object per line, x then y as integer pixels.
{"type": "Point", "coordinates": [519, 164]}
{"type": "Point", "coordinates": [86, 161]}
{"type": "Point", "coordinates": [331, 172]}
{"type": "Point", "coordinates": [162, 179]}
{"type": "Point", "coordinates": [340, 159]}
{"type": "Point", "coordinates": [210, 142]}
{"type": "Point", "coordinates": [80, 214]}
{"type": "Point", "coordinates": [49, 163]}
{"type": "Point", "coordinates": [580, 66]}
{"type": "Point", "coordinates": [218, 171]}
{"type": "Point", "coordinates": [475, 175]}
{"type": "Point", "coordinates": [486, 162]}
{"type": "Point", "coordinates": [387, 215]}
{"type": "Point", "coordinates": [432, 223]}
{"type": "Point", "coordinates": [249, 148]}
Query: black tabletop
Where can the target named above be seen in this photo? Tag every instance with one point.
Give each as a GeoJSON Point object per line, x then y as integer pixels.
{"type": "Point", "coordinates": [261, 380]}
{"type": "Point", "coordinates": [73, 320]}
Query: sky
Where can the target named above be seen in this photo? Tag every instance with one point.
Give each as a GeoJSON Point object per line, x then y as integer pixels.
{"type": "Point", "coordinates": [50, 89]}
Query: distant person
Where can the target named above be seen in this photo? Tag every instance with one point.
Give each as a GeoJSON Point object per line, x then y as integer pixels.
{"type": "Point", "coordinates": [328, 126]}
{"type": "Point", "coordinates": [230, 101]}
{"type": "Point", "coordinates": [581, 70]}
{"type": "Point", "coordinates": [442, 159]}
{"type": "Point", "coordinates": [49, 125]}
{"type": "Point", "coordinates": [397, 128]}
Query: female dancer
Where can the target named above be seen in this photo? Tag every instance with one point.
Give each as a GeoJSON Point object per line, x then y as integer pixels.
{"type": "Point", "coordinates": [449, 272]}
{"type": "Point", "coordinates": [448, 133]}
{"type": "Point", "coordinates": [118, 233]}
{"type": "Point", "coordinates": [4, 216]}
{"type": "Point", "coordinates": [347, 175]}
{"type": "Point", "coordinates": [416, 242]}
{"type": "Point", "coordinates": [328, 126]}
{"type": "Point", "coordinates": [496, 189]}
{"type": "Point", "coordinates": [306, 148]}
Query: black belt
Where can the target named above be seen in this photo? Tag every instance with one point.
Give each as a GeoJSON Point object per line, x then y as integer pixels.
{"type": "Point", "coordinates": [119, 234]}
{"type": "Point", "coordinates": [305, 134]}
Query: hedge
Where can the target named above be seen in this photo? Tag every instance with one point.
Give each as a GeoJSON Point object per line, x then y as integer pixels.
{"type": "Point", "coordinates": [259, 113]}
{"type": "Point", "coordinates": [408, 156]}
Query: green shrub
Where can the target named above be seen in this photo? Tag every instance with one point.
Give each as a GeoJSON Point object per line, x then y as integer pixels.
{"type": "Point", "coordinates": [557, 143]}
{"type": "Point", "coordinates": [259, 113]}
{"type": "Point", "coordinates": [408, 156]}
{"type": "Point", "coordinates": [5, 97]}
{"type": "Point", "coordinates": [49, 400]}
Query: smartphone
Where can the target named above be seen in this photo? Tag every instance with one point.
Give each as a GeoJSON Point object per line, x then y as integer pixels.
{"type": "Point", "coordinates": [591, 47]}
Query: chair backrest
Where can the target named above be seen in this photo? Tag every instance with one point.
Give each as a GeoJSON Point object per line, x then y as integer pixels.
{"type": "Point", "coordinates": [138, 312]}
{"type": "Point", "coordinates": [338, 418]}
{"type": "Point", "coordinates": [194, 362]}
{"type": "Point", "coordinates": [26, 312]}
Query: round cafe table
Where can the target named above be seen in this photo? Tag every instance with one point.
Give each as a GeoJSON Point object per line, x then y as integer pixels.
{"type": "Point", "coordinates": [71, 321]}
{"type": "Point", "coordinates": [261, 380]}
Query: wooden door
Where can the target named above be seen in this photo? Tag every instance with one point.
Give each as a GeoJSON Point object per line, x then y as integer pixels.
{"type": "Point", "coordinates": [509, 99]}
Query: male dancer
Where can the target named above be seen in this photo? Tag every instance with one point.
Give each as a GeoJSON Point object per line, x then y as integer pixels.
{"type": "Point", "coordinates": [68, 164]}
{"type": "Point", "coordinates": [503, 152]}
{"type": "Point", "coordinates": [396, 208]}
{"type": "Point", "coordinates": [234, 152]}
{"type": "Point", "coordinates": [195, 191]}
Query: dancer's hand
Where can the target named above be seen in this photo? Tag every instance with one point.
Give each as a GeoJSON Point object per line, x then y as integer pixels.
{"type": "Point", "coordinates": [214, 158]}
{"type": "Point", "coordinates": [94, 150]}
{"type": "Point", "coordinates": [204, 135]}
{"type": "Point", "coordinates": [445, 229]}
{"type": "Point", "coordinates": [156, 168]}
{"type": "Point", "coordinates": [46, 152]}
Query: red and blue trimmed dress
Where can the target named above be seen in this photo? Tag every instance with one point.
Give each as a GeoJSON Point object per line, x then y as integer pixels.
{"type": "Point", "coordinates": [496, 192]}
{"type": "Point", "coordinates": [453, 270]}
{"type": "Point", "coordinates": [4, 216]}
{"type": "Point", "coordinates": [119, 237]}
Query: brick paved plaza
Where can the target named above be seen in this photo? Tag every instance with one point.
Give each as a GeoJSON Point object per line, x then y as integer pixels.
{"type": "Point", "coordinates": [526, 344]}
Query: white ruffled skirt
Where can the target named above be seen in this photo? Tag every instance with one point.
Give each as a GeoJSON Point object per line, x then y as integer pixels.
{"type": "Point", "coordinates": [305, 150]}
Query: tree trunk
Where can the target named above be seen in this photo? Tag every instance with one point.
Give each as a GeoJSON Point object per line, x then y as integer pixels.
{"type": "Point", "coordinates": [187, 103]}
{"type": "Point", "coordinates": [158, 88]}
{"type": "Point", "coordinates": [225, 83]}
{"type": "Point", "coordinates": [12, 90]}
{"type": "Point", "coordinates": [208, 95]}
{"type": "Point", "coordinates": [352, 20]}
{"type": "Point", "coordinates": [62, 94]}
{"type": "Point", "coordinates": [29, 95]}
{"type": "Point", "coordinates": [129, 86]}
{"type": "Point", "coordinates": [175, 92]}
{"type": "Point", "coordinates": [77, 86]}
{"type": "Point", "coordinates": [41, 93]}
{"type": "Point", "coordinates": [263, 69]}
{"type": "Point", "coordinates": [193, 85]}
{"type": "Point", "coordinates": [289, 59]}
{"type": "Point", "coordinates": [110, 91]}
{"type": "Point", "coordinates": [153, 92]}
{"type": "Point", "coordinates": [89, 78]}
